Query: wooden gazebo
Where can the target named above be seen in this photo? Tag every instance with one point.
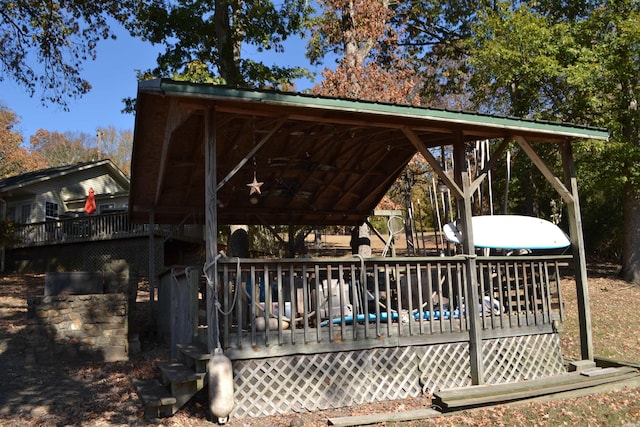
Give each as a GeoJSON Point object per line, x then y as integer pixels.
{"type": "Point", "coordinates": [306, 334]}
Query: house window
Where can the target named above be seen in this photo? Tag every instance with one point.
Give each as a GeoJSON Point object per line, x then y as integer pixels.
{"type": "Point", "coordinates": [106, 206]}
{"type": "Point", "coordinates": [50, 211]}
{"type": "Point", "coordinates": [25, 214]}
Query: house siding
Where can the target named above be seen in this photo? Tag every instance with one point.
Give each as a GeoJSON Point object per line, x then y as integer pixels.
{"type": "Point", "coordinates": [69, 191]}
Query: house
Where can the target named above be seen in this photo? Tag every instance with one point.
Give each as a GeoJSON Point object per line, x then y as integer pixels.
{"type": "Point", "coordinates": [53, 193]}
{"type": "Point", "coordinates": [54, 233]}
{"type": "Point", "coordinates": [308, 334]}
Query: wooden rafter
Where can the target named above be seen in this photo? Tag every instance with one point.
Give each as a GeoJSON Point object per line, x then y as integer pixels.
{"type": "Point", "coordinates": [176, 117]}
{"type": "Point", "coordinates": [556, 182]}
{"type": "Point", "coordinates": [433, 162]}
{"type": "Point", "coordinates": [250, 154]}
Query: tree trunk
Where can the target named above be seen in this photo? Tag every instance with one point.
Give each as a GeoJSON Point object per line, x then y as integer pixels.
{"type": "Point", "coordinates": [361, 241]}
{"type": "Point", "coordinates": [227, 44]}
{"type": "Point", "coordinates": [408, 223]}
{"type": "Point", "coordinates": [631, 236]}
{"type": "Point", "coordinates": [239, 241]}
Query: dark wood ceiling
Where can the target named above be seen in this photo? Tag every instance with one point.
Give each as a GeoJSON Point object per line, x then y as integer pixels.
{"type": "Point", "coordinates": [321, 161]}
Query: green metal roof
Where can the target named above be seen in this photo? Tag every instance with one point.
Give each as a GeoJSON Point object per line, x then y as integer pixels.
{"type": "Point", "coordinates": [323, 160]}
{"type": "Point", "coordinates": [304, 100]}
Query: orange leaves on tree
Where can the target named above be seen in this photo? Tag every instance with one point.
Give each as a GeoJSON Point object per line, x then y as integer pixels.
{"type": "Point", "coordinates": [14, 158]}
{"type": "Point", "coordinates": [371, 67]}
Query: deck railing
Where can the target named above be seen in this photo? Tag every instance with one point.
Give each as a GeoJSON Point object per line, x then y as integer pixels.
{"type": "Point", "coordinates": [317, 305]}
{"type": "Point", "coordinates": [93, 227]}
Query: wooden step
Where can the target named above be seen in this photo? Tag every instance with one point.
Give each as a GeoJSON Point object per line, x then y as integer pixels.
{"type": "Point", "coordinates": [596, 372]}
{"type": "Point", "coordinates": [183, 380]}
{"type": "Point", "coordinates": [389, 417]}
{"type": "Point", "coordinates": [605, 362]}
{"type": "Point", "coordinates": [156, 399]}
{"type": "Point", "coordinates": [496, 393]}
{"type": "Point", "coordinates": [174, 371]}
{"type": "Point", "coordinates": [194, 351]}
{"type": "Point", "coordinates": [194, 356]}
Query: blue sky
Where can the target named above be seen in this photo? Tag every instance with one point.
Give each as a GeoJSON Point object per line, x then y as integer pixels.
{"type": "Point", "coordinates": [113, 78]}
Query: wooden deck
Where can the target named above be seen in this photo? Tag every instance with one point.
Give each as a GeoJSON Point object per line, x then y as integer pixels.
{"type": "Point", "coordinates": [309, 306]}
{"type": "Point", "coordinates": [88, 228]}
{"type": "Point", "coordinates": [467, 397]}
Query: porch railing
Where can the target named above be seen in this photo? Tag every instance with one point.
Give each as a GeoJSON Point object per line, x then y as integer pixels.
{"type": "Point", "coordinates": [317, 305]}
{"type": "Point", "coordinates": [94, 227]}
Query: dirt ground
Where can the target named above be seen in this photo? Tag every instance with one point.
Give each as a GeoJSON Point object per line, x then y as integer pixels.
{"type": "Point", "coordinates": [102, 394]}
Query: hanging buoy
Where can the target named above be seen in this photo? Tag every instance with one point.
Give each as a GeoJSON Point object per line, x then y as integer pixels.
{"type": "Point", "coordinates": [220, 376]}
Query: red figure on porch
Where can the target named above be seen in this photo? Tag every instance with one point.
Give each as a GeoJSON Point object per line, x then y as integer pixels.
{"type": "Point", "coordinates": [90, 204]}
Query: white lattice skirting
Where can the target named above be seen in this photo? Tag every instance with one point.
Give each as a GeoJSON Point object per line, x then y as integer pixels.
{"type": "Point", "coordinates": [302, 383]}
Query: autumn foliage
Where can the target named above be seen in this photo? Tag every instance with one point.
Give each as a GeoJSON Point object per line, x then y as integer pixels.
{"type": "Point", "coordinates": [50, 149]}
{"type": "Point", "coordinates": [14, 158]}
{"type": "Point", "coordinates": [371, 67]}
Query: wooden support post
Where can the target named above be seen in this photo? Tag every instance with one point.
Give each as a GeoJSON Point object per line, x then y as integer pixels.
{"type": "Point", "coordinates": [3, 217]}
{"type": "Point", "coordinates": [462, 178]}
{"type": "Point", "coordinates": [291, 252]}
{"type": "Point", "coordinates": [152, 270]}
{"type": "Point", "coordinates": [577, 246]}
{"type": "Point", "coordinates": [568, 190]}
{"type": "Point", "coordinates": [211, 229]}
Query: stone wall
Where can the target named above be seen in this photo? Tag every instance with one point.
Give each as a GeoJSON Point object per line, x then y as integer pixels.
{"type": "Point", "coordinates": [69, 328]}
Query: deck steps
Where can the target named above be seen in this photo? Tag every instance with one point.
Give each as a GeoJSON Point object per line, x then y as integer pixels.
{"type": "Point", "coordinates": [156, 399]}
{"type": "Point", "coordinates": [466, 397]}
{"type": "Point", "coordinates": [193, 356]}
{"type": "Point", "coordinates": [181, 379]}
{"type": "Point", "coordinates": [174, 371]}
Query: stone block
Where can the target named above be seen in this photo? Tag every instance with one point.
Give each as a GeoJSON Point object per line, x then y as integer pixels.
{"type": "Point", "coordinates": [118, 341]}
{"type": "Point", "coordinates": [114, 354]}
{"type": "Point", "coordinates": [60, 320]}
{"type": "Point", "coordinates": [89, 329]}
{"type": "Point", "coordinates": [42, 313]}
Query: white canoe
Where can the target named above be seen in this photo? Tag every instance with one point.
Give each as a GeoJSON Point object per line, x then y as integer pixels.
{"type": "Point", "coordinates": [511, 232]}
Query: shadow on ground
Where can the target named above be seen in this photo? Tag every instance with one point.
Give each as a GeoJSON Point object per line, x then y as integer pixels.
{"type": "Point", "coordinates": [34, 393]}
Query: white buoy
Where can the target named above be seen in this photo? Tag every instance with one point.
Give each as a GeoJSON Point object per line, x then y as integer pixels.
{"type": "Point", "coordinates": [261, 324]}
{"type": "Point", "coordinates": [220, 376]}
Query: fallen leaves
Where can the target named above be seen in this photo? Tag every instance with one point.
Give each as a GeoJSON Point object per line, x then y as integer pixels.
{"type": "Point", "coordinates": [101, 394]}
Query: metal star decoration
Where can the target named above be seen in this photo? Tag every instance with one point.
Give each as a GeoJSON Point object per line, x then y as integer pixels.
{"type": "Point", "coordinates": [255, 186]}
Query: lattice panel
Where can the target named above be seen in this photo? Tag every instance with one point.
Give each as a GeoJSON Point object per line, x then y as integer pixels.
{"type": "Point", "coordinates": [522, 358]}
{"type": "Point", "coordinates": [444, 366]}
{"type": "Point", "coordinates": [88, 256]}
{"type": "Point", "coordinates": [302, 383]}
{"type": "Point", "coordinates": [135, 251]}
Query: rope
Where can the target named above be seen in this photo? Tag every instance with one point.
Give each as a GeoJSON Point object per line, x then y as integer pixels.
{"type": "Point", "coordinates": [363, 283]}
{"type": "Point", "coordinates": [212, 291]}
{"type": "Point", "coordinates": [235, 292]}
